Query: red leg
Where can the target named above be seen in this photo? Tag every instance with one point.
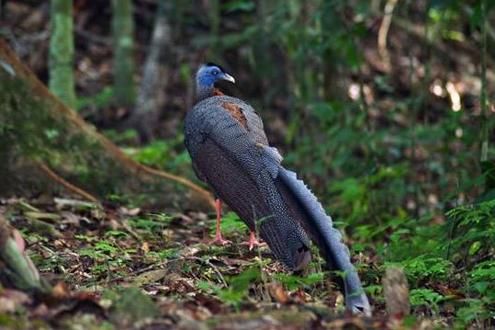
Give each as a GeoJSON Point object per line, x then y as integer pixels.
{"type": "Point", "coordinates": [218, 233]}
{"type": "Point", "coordinates": [252, 240]}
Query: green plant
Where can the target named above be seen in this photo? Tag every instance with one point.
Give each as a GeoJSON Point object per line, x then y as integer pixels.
{"type": "Point", "coordinates": [481, 290]}
{"type": "Point", "coordinates": [424, 268]}
{"type": "Point", "coordinates": [425, 297]}
{"type": "Point", "coordinates": [237, 288]}
{"type": "Point", "coordinates": [151, 222]}
{"type": "Point", "coordinates": [230, 224]}
{"type": "Point", "coordinates": [156, 153]}
{"type": "Point", "coordinates": [293, 282]}
{"type": "Point", "coordinates": [472, 230]}
{"type": "Point", "coordinates": [163, 254]}
{"type": "Point", "coordinates": [100, 250]}
{"type": "Point", "coordinates": [474, 311]}
{"type": "Point", "coordinates": [481, 279]}
{"type": "Point", "coordinates": [99, 100]}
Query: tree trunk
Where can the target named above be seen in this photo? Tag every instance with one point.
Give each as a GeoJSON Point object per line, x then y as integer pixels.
{"type": "Point", "coordinates": [123, 43]}
{"type": "Point", "coordinates": [152, 90]}
{"type": "Point", "coordinates": [61, 54]}
{"type": "Point", "coordinates": [44, 143]}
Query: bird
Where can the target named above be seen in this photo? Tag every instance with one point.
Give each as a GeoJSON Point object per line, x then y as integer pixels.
{"type": "Point", "coordinates": [230, 152]}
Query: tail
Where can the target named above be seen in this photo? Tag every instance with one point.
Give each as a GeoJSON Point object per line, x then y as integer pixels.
{"type": "Point", "coordinates": [287, 241]}
{"type": "Point", "coordinates": [310, 213]}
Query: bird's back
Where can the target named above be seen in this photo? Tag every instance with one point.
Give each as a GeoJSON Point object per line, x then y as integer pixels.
{"type": "Point", "coordinates": [209, 108]}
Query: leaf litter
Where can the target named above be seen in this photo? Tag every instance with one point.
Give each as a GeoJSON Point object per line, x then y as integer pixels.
{"type": "Point", "coordinates": [112, 267]}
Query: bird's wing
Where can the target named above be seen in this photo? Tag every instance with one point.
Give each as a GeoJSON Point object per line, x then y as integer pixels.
{"type": "Point", "coordinates": [247, 117]}
{"type": "Point", "coordinates": [249, 120]}
{"type": "Point", "coordinates": [254, 124]}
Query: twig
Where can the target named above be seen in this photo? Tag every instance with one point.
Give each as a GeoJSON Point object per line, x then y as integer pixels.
{"type": "Point", "coordinates": [131, 231]}
{"type": "Point", "coordinates": [383, 32]}
{"type": "Point", "coordinates": [215, 269]}
{"type": "Point", "coordinates": [93, 37]}
{"type": "Point", "coordinates": [67, 185]}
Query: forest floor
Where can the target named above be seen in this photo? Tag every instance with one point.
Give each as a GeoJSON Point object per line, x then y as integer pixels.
{"type": "Point", "coordinates": [97, 256]}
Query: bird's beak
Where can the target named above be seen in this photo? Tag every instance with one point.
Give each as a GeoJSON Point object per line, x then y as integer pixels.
{"type": "Point", "coordinates": [228, 77]}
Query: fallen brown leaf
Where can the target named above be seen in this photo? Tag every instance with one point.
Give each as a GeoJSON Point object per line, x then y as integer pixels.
{"type": "Point", "coordinates": [278, 292]}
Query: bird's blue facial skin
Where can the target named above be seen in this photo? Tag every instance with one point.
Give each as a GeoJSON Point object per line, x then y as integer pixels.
{"type": "Point", "coordinates": [208, 75]}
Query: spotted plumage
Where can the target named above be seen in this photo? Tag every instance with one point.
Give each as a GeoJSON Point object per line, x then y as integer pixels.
{"type": "Point", "coordinates": [230, 151]}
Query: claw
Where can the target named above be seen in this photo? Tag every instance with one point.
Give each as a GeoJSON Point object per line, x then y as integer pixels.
{"type": "Point", "coordinates": [219, 240]}
{"type": "Point", "coordinates": [253, 241]}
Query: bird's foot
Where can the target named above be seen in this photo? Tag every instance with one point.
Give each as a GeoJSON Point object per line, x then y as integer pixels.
{"type": "Point", "coordinates": [252, 242]}
{"type": "Point", "coordinates": [219, 240]}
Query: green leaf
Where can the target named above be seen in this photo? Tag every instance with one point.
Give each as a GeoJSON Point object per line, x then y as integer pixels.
{"type": "Point", "coordinates": [240, 5]}
{"type": "Point", "coordinates": [427, 297]}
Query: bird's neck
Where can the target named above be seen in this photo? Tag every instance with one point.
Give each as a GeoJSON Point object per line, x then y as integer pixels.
{"type": "Point", "coordinates": [203, 92]}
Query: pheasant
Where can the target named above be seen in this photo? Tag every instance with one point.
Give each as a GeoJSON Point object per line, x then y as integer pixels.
{"type": "Point", "coordinates": [230, 152]}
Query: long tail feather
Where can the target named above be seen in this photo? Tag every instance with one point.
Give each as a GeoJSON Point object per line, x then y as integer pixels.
{"type": "Point", "coordinates": [328, 239]}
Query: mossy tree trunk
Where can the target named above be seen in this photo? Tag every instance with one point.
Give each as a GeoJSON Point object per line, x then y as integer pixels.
{"type": "Point", "coordinates": [61, 57]}
{"type": "Point", "coordinates": [41, 138]}
{"type": "Point", "coordinates": [123, 43]}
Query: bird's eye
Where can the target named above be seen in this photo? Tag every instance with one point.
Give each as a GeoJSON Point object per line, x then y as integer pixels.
{"type": "Point", "coordinates": [215, 72]}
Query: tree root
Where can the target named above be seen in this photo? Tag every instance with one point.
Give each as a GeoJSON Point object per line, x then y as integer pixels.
{"type": "Point", "coordinates": [67, 185]}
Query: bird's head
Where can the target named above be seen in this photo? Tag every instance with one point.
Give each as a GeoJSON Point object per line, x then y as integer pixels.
{"type": "Point", "coordinates": [209, 73]}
